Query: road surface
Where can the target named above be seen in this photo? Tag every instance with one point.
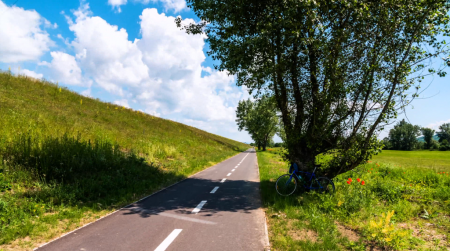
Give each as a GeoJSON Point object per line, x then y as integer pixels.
{"type": "Point", "coordinates": [216, 209]}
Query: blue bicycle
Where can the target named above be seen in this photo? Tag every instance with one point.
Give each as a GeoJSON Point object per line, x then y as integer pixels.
{"type": "Point", "coordinates": [288, 183]}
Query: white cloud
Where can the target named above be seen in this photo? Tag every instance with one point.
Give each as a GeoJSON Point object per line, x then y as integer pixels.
{"type": "Point", "coordinates": [31, 74]}
{"type": "Point", "coordinates": [122, 102]}
{"type": "Point", "coordinates": [21, 36]}
{"type": "Point", "coordinates": [435, 125]}
{"type": "Point", "coordinates": [64, 69]}
{"type": "Point", "coordinates": [87, 92]}
{"type": "Point", "coordinates": [65, 40]}
{"type": "Point", "coordinates": [175, 5]}
{"type": "Point", "coordinates": [105, 54]}
{"type": "Point", "coordinates": [116, 4]}
{"type": "Point", "coordinates": [174, 58]}
{"type": "Point", "coordinates": [48, 24]}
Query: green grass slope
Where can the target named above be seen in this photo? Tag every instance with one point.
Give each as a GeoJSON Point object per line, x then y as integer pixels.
{"type": "Point", "coordinates": [66, 159]}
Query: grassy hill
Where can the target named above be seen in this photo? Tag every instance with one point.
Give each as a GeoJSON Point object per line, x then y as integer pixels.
{"type": "Point", "coordinates": [66, 159]}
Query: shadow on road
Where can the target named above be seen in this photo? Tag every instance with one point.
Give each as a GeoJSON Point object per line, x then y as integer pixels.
{"type": "Point", "coordinates": [232, 196]}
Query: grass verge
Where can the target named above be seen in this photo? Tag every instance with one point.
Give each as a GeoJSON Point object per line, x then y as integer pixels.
{"type": "Point", "coordinates": [397, 208]}
{"type": "Point", "coordinates": [66, 160]}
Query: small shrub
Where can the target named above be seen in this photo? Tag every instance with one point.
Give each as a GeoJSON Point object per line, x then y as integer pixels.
{"type": "Point", "coordinates": [384, 231]}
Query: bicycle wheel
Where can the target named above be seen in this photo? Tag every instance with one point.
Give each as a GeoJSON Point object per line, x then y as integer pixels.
{"type": "Point", "coordinates": [286, 185]}
{"type": "Point", "coordinates": [325, 185]}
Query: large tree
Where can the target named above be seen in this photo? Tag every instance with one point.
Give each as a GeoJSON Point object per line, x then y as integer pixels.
{"type": "Point", "coordinates": [259, 119]}
{"type": "Point", "coordinates": [444, 132]}
{"type": "Point", "coordinates": [403, 136]}
{"type": "Point", "coordinates": [427, 136]}
{"type": "Point", "coordinates": [339, 70]}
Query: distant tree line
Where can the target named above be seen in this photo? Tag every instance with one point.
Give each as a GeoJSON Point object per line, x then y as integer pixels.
{"type": "Point", "coordinates": [271, 144]}
{"type": "Point", "coordinates": [404, 137]}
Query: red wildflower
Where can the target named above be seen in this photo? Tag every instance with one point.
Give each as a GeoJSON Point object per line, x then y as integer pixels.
{"type": "Point", "coordinates": [349, 182]}
{"type": "Point", "coordinates": [350, 179]}
{"type": "Point", "coordinates": [358, 179]}
{"type": "Point", "coordinates": [363, 182]}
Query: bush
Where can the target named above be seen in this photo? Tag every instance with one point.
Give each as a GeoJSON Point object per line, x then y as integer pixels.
{"type": "Point", "coordinates": [444, 146]}
{"type": "Point", "coordinates": [434, 145]}
{"type": "Point", "coordinates": [420, 145]}
{"type": "Point", "coordinates": [65, 159]}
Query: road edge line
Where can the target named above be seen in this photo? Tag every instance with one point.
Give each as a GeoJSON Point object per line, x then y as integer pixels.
{"type": "Point", "coordinates": [266, 229]}
{"type": "Point", "coordinates": [120, 209]}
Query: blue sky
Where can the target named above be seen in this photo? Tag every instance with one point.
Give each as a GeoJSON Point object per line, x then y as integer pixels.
{"type": "Point", "coordinates": [131, 53]}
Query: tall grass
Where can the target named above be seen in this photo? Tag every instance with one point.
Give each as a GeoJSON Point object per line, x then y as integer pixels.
{"type": "Point", "coordinates": [66, 159]}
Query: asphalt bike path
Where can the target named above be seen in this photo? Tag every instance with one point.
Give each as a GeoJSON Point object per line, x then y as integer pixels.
{"type": "Point", "coordinates": [216, 209]}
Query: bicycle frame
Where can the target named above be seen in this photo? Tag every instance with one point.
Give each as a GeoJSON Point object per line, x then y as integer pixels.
{"type": "Point", "coordinates": [299, 177]}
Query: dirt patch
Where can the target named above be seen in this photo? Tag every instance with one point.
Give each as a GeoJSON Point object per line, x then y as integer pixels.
{"type": "Point", "coordinates": [354, 236]}
{"type": "Point", "coordinates": [427, 233]}
{"type": "Point", "coordinates": [303, 235]}
{"type": "Point", "coordinates": [373, 247]}
{"type": "Point", "coordinates": [347, 232]}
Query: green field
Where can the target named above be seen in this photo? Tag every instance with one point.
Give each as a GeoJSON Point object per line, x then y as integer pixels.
{"type": "Point", "coordinates": [66, 159]}
{"type": "Point", "coordinates": [434, 160]}
{"type": "Point", "coordinates": [404, 204]}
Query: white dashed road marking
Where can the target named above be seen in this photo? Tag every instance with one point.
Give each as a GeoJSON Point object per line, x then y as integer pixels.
{"type": "Point", "coordinates": [214, 190]}
{"type": "Point", "coordinates": [199, 207]}
{"type": "Point", "coordinates": [223, 180]}
{"type": "Point", "coordinates": [165, 244]}
{"type": "Point", "coordinates": [229, 174]}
